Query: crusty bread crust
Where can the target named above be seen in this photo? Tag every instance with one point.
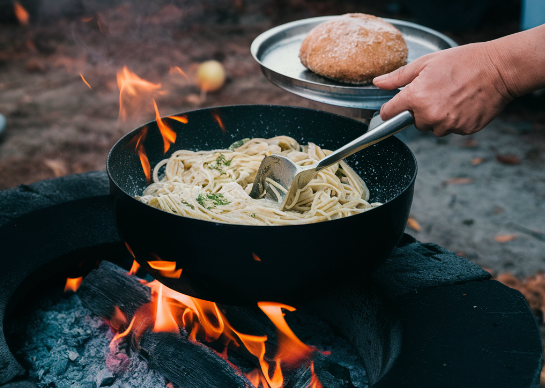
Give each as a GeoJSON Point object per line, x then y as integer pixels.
{"type": "Point", "coordinates": [354, 48]}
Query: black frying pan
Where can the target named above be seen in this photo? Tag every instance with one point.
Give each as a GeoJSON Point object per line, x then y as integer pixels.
{"type": "Point", "coordinates": [297, 262]}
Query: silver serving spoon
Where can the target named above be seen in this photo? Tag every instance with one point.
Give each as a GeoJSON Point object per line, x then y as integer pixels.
{"type": "Point", "coordinates": [280, 178]}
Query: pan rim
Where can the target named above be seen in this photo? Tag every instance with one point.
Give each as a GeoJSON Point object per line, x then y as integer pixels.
{"type": "Point", "coordinates": [243, 226]}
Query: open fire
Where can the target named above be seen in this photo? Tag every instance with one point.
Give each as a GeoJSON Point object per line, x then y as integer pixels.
{"type": "Point", "coordinates": [202, 321]}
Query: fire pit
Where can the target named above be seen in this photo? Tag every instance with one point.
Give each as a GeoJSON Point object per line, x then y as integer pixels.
{"type": "Point", "coordinates": [427, 318]}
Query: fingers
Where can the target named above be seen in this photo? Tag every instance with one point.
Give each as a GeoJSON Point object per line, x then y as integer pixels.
{"type": "Point", "coordinates": [400, 77]}
{"type": "Point", "coordinates": [399, 103]}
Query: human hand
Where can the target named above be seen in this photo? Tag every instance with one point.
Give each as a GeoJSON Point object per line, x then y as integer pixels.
{"type": "Point", "coordinates": [458, 90]}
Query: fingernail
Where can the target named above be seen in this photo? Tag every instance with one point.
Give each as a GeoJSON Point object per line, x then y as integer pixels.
{"type": "Point", "coordinates": [380, 78]}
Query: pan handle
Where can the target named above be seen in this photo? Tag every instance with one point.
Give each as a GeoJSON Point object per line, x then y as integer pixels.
{"type": "Point", "coordinates": [382, 131]}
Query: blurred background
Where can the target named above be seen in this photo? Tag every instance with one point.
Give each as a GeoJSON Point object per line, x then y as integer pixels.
{"type": "Point", "coordinates": [76, 75]}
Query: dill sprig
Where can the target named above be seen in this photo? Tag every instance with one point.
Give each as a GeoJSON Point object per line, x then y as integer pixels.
{"type": "Point", "coordinates": [188, 204]}
{"type": "Point", "coordinates": [212, 200]}
{"type": "Point", "coordinates": [239, 143]}
{"type": "Point", "coordinates": [219, 163]}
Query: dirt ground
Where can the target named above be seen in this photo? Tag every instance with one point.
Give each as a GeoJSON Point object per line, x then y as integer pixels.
{"type": "Point", "coordinates": [481, 196]}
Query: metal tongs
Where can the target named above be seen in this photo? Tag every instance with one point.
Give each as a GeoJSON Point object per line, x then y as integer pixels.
{"type": "Point", "coordinates": [281, 179]}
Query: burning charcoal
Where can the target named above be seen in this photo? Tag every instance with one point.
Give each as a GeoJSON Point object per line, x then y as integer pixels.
{"type": "Point", "coordinates": [185, 363]}
{"type": "Point", "coordinates": [191, 364]}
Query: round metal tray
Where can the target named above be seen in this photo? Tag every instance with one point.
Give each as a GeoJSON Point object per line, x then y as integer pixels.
{"type": "Point", "coordinates": [276, 50]}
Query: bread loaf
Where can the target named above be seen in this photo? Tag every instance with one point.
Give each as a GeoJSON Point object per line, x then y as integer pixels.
{"type": "Point", "coordinates": [354, 48]}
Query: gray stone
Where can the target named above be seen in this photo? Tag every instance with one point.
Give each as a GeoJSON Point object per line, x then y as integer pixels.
{"type": "Point", "coordinates": [28, 198]}
{"type": "Point", "coordinates": [416, 266]}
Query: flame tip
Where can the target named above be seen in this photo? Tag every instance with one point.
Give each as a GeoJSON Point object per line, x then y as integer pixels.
{"type": "Point", "coordinates": [73, 284]}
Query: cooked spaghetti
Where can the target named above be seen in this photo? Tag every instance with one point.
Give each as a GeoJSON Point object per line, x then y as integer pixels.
{"type": "Point", "coordinates": [214, 185]}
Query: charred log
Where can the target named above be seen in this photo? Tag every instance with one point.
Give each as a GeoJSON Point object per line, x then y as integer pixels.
{"type": "Point", "coordinates": [188, 364]}
{"type": "Point", "coordinates": [183, 362]}
{"type": "Point", "coordinates": [109, 286]}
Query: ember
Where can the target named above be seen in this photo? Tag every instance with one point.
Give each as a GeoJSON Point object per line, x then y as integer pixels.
{"type": "Point", "coordinates": [73, 284]}
{"type": "Point", "coordinates": [21, 14]}
{"type": "Point", "coordinates": [218, 119]}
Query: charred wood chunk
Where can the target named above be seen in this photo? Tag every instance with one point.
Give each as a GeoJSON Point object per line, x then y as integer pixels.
{"type": "Point", "coordinates": [188, 364]}
{"type": "Point", "coordinates": [109, 286]}
{"type": "Point", "coordinates": [250, 320]}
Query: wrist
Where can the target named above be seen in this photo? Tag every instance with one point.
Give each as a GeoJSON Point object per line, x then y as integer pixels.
{"type": "Point", "coordinates": [503, 77]}
{"type": "Point", "coordinates": [519, 60]}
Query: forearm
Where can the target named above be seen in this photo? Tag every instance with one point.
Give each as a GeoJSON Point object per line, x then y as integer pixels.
{"type": "Point", "coordinates": [519, 59]}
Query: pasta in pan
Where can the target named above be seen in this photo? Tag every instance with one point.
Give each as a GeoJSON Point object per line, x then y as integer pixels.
{"type": "Point", "coordinates": [214, 185]}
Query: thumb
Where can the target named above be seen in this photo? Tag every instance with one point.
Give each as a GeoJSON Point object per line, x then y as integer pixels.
{"type": "Point", "coordinates": [400, 77]}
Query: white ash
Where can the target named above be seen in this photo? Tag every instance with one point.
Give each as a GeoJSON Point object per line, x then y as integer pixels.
{"type": "Point", "coordinates": [65, 346]}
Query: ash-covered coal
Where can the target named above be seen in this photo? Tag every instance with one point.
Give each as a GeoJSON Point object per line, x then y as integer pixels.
{"type": "Point", "coordinates": [64, 345]}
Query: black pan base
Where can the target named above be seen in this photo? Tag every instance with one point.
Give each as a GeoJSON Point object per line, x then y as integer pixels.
{"type": "Point", "coordinates": [427, 318]}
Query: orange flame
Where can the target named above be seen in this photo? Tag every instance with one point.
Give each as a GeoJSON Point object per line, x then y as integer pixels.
{"type": "Point", "coordinates": [21, 13]}
{"type": "Point", "coordinates": [255, 257]}
{"type": "Point", "coordinates": [134, 269]}
{"type": "Point", "coordinates": [112, 344]}
{"type": "Point", "coordinates": [204, 320]}
{"type": "Point", "coordinates": [257, 379]}
{"type": "Point", "coordinates": [140, 150]}
{"type": "Point", "coordinates": [134, 91]}
{"type": "Point", "coordinates": [168, 135]}
{"type": "Point", "coordinates": [166, 268]}
{"type": "Point", "coordinates": [129, 249]}
{"type": "Point", "coordinates": [181, 119]}
{"type": "Point", "coordinates": [86, 82]}
{"type": "Point", "coordinates": [164, 321]}
{"type": "Point", "coordinates": [218, 119]}
{"type": "Point", "coordinates": [118, 319]}
{"type": "Point", "coordinates": [162, 265]}
{"type": "Point", "coordinates": [256, 346]}
{"type": "Point", "coordinates": [176, 69]}
{"type": "Point", "coordinates": [290, 349]}
{"type": "Point", "coordinates": [315, 383]}
{"type": "Point", "coordinates": [73, 284]}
